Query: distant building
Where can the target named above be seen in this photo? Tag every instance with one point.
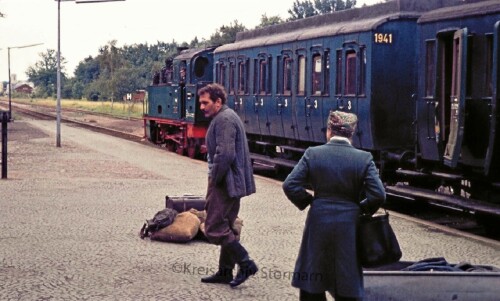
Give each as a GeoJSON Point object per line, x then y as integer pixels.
{"type": "Point", "coordinates": [23, 87]}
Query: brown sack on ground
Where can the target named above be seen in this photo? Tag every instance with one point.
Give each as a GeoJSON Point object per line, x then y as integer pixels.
{"type": "Point", "coordinates": [202, 215]}
{"type": "Point", "coordinates": [183, 229]}
{"type": "Point", "coordinates": [237, 227]}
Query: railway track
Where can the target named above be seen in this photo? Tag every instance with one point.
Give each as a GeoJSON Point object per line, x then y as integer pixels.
{"type": "Point", "coordinates": [472, 216]}
{"type": "Point", "coordinates": [48, 113]}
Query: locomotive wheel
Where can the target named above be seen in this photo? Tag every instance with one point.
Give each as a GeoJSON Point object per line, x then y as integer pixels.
{"type": "Point", "coordinates": [153, 134]}
{"type": "Point", "coordinates": [193, 149]}
{"type": "Point", "coordinates": [192, 152]}
{"type": "Point", "coordinates": [180, 150]}
{"type": "Point", "coordinates": [170, 146]}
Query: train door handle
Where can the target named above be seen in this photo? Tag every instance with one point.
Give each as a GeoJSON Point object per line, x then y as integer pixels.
{"type": "Point", "coordinates": [309, 106]}
{"type": "Point", "coordinates": [340, 104]}
{"type": "Point", "coordinates": [279, 105]}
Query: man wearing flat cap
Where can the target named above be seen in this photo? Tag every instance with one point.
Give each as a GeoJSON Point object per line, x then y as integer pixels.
{"type": "Point", "coordinates": [339, 174]}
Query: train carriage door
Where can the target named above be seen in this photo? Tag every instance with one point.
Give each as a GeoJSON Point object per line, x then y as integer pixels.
{"type": "Point", "coordinates": [318, 93]}
{"type": "Point", "coordinates": [301, 101]}
{"type": "Point", "coordinates": [284, 106]}
{"type": "Point", "coordinates": [457, 98]}
{"type": "Point", "coordinates": [350, 82]}
{"type": "Point", "coordinates": [262, 98]}
{"type": "Point", "coordinates": [242, 89]}
{"type": "Point", "coordinates": [231, 89]}
{"type": "Point", "coordinates": [492, 160]}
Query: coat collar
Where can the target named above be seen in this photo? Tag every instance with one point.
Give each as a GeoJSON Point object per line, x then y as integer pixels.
{"type": "Point", "coordinates": [223, 108]}
{"type": "Point", "coordinates": [340, 141]}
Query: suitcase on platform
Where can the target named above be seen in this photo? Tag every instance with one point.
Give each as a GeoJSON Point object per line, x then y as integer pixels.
{"type": "Point", "coordinates": [185, 202]}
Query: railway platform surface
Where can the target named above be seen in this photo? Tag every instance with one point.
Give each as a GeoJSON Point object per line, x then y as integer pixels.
{"type": "Point", "coordinates": [70, 217]}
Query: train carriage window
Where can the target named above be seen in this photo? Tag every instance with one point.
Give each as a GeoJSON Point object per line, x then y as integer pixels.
{"type": "Point", "coordinates": [263, 76]}
{"type": "Point", "coordinates": [455, 79]}
{"type": "Point", "coordinates": [231, 77]}
{"type": "Point", "coordinates": [488, 83]}
{"type": "Point", "coordinates": [256, 76]}
{"type": "Point", "coordinates": [247, 76]}
{"type": "Point", "coordinates": [362, 71]}
{"type": "Point", "coordinates": [316, 73]}
{"type": "Point", "coordinates": [279, 74]}
{"type": "Point", "coordinates": [182, 72]}
{"type": "Point", "coordinates": [430, 68]}
{"type": "Point", "coordinates": [221, 73]}
{"type": "Point", "coordinates": [470, 74]}
{"type": "Point", "coordinates": [338, 80]}
{"type": "Point", "coordinates": [301, 84]}
{"type": "Point", "coordinates": [287, 76]}
{"type": "Point", "coordinates": [200, 66]}
{"type": "Point", "coordinates": [243, 76]}
{"type": "Point", "coordinates": [269, 74]}
{"type": "Point", "coordinates": [326, 76]}
{"type": "Point", "coordinates": [350, 76]}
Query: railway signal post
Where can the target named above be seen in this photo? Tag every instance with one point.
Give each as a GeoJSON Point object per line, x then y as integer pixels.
{"type": "Point", "coordinates": [5, 116]}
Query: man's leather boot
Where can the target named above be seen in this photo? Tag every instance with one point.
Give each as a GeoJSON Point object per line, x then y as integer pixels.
{"type": "Point", "coordinates": [225, 273]}
{"type": "Point", "coordinates": [247, 267]}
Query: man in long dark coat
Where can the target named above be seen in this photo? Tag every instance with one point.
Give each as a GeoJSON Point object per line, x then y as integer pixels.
{"type": "Point", "coordinates": [230, 178]}
{"type": "Point", "coordinates": [337, 173]}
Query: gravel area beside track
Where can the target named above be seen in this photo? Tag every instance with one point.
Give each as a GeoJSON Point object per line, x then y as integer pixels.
{"type": "Point", "coordinates": [69, 219]}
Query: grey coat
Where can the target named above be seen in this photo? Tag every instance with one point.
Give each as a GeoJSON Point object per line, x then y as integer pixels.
{"type": "Point", "coordinates": [337, 172]}
{"type": "Point", "coordinates": [227, 147]}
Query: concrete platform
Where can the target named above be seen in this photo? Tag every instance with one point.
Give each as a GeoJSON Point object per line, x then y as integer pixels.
{"type": "Point", "coordinates": [70, 216]}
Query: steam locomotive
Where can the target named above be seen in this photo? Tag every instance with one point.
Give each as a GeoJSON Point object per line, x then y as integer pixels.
{"type": "Point", "coordinates": [422, 77]}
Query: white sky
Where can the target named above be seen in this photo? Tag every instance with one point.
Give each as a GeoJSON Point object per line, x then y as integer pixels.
{"type": "Point", "coordinates": [86, 27]}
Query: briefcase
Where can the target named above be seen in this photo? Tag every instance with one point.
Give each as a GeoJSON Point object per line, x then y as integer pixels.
{"type": "Point", "coordinates": [185, 202]}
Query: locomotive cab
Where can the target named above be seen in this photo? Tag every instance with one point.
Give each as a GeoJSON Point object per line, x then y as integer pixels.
{"type": "Point", "coordinates": [174, 117]}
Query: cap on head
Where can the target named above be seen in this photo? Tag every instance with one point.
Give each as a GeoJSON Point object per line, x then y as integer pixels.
{"type": "Point", "coordinates": [342, 123]}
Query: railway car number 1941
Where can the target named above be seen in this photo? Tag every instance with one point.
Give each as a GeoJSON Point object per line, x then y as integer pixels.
{"type": "Point", "coordinates": [384, 38]}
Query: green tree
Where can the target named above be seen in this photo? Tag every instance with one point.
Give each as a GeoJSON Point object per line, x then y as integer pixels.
{"type": "Point", "coordinates": [226, 34]}
{"type": "Point", "coordinates": [86, 72]}
{"type": "Point", "coordinates": [44, 74]}
{"type": "Point", "coordinates": [268, 21]}
{"type": "Point", "coordinates": [110, 59]}
{"type": "Point", "coordinates": [301, 10]}
{"type": "Point", "coordinates": [308, 8]}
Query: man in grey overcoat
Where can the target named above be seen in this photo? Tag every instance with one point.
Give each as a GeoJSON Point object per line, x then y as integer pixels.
{"type": "Point", "coordinates": [230, 178]}
{"type": "Point", "coordinates": [339, 174]}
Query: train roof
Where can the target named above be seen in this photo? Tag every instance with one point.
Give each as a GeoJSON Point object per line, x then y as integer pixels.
{"type": "Point", "coordinates": [340, 22]}
{"type": "Point", "coordinates": [323, 29]}
{"type": "Point", "coordinates": [462, 11]}
{"type": "Point", "coordinates": [347, 21]}
{"type": "Point", "coordinates": [190, 53]}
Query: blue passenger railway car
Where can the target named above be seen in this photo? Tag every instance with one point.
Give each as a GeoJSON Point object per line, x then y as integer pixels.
{"type": "Point", "coordinates": [458, 96]}
{"type": "Point", "coordinates": [422, 76]}
{"type": "Point", "coordinates": [283, 80]}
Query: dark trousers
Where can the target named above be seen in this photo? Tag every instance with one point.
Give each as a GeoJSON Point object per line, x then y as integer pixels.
{"type": "Point", "coordinates": [221, 214]}
{"type": "Point", "coordinates": [306, 296]}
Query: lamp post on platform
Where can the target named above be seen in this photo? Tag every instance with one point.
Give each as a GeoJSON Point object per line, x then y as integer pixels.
{"type": "Point", "coordinates": [58, 103]}
{"type": "Point", "coordinates": [10, 85]}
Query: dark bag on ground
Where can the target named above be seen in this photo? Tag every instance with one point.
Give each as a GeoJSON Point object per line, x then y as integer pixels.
{"type": "Point", "coordinates": [376, 241]}
{"type": "Point", "coordinates": [161, 219]}
{"type": "Point", "coordinates": [185, 202]}
{"type": "Point", "coordinates": [184, 228]}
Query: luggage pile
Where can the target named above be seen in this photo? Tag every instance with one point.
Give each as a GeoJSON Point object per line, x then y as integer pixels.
{"type": "Point", "coordinates": [181, 221]}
